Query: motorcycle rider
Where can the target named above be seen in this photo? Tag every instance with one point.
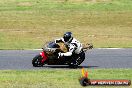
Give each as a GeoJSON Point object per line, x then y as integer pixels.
{"type": "Point", "coordinates": [74, 47]}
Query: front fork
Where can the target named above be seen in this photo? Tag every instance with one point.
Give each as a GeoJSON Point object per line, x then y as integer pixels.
{"type": "Point", "coordinates": [44, 56]}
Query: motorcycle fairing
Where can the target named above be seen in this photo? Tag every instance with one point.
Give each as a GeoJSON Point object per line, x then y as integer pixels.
{"type": "Point", "coordinates": [43, 56]}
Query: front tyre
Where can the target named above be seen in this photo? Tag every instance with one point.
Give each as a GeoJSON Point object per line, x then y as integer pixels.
{"type": "Point", "coordinates": [36, 62]}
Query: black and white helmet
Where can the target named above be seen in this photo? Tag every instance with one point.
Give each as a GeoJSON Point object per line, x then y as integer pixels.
{"type": "Point", "coordinates": [68, 37]}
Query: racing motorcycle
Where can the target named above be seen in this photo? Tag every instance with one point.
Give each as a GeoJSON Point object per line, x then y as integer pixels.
{"type": "Point", "coordinates": [49, 55]}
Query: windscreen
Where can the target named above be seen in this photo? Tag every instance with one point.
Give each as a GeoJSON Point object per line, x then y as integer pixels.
{"type": "Point", "coordinates": [53, 45]}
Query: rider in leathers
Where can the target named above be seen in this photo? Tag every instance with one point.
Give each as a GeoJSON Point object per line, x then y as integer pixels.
{"type": "Point", "coordinates": [74, 47]}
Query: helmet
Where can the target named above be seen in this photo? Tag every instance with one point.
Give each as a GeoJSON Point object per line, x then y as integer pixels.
{"type": "Point", "coordinates": [68, 37]}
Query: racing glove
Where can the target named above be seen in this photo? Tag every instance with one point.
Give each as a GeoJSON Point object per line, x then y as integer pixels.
{"type": "Point", "coordinates": [60, 54]}
{"type": "Point", "coordinates": [64, 54]}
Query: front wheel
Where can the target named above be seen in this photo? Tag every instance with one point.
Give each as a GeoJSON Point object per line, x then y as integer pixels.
{"type": "Point", "coordinates": [36, 62]}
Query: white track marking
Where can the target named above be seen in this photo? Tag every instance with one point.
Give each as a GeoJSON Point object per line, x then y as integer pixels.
{"type": "Point", "coordinates": [109, 48]}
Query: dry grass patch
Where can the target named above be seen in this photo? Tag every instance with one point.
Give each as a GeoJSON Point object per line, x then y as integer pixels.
{"type": "Point", "coordinates": [24, 4]}
{"type": "Point", "coordinates": [94, 1]}
{"type": "Point", "coordinates": [25, 27]}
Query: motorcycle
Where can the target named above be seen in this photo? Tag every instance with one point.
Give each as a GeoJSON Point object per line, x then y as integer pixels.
{"type": "Point", "coordinates": [49, 55]}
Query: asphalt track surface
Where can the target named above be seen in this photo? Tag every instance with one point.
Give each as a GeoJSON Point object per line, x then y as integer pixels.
{"type": "Point", "coordinates": [95, 58]}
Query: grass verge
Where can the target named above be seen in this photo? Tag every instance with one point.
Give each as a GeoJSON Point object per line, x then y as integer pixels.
{"type": "Point", "coordinates": [27, 24]}
{"type": "Point", "coordinates": [58, 78]}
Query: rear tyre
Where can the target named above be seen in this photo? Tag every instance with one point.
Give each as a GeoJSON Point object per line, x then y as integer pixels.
{"type": "Point", "coordinates": [36, 62]}
{"type": "Point", "coordinates": [73, 66]}
{"type": "Point", "coordinates": [81, 58]}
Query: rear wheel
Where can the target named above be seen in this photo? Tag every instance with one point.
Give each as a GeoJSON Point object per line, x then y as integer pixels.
{"type": "Point", "coordinates": [77, 60]}
{"type": "Point", "coordinates": [73, 66]}
{"type": "Point", "coordinates": [36, 62]}
{"type": "Point", "coordinates": [81, 58]}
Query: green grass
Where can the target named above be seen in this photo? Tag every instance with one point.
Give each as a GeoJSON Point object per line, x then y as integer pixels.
{"type": "Point", "coordinates": [58, 78]}
{"type": "Point", "coordinates": [27, 24]}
